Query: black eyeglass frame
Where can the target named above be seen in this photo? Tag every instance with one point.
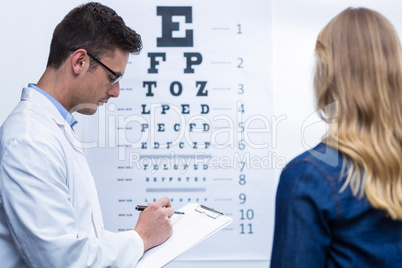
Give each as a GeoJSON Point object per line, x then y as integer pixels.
{"type": "Point", "coordinates": [118, 76]}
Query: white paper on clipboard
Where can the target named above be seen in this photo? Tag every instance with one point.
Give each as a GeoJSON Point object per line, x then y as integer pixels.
{"type": "Point", "coordinates": [197, 224]}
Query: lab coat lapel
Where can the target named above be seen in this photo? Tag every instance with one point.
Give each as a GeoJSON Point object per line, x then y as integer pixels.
{"type": "Point", "coordinates": [97, 219]}
{"type": "Point", "coordinates": [72, 137]}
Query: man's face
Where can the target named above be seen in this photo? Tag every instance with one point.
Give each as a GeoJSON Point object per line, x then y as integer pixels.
{"type": "Point", "coordinates": [98, 88]}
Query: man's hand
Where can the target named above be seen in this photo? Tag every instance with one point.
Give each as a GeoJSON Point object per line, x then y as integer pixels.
{"type": "Point", "coordinates": [153, 224]}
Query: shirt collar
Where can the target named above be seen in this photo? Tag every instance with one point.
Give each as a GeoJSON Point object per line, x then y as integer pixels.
{"type": "Point", "coordinates": [63, 111]}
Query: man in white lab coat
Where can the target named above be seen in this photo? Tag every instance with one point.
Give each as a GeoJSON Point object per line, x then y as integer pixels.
{"type": "Point", "coordinates": [49, 209]}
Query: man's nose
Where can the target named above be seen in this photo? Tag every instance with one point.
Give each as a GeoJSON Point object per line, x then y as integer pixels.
{"type": "Point", "coordinates": [115, 90]}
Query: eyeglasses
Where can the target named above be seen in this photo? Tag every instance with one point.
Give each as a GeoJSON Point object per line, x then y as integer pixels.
{"type": "Point", "coordinates": [117, 76]}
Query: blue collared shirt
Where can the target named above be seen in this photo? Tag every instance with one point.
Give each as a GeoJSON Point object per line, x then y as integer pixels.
{"type": "Point", "coordinates": [63, 111]}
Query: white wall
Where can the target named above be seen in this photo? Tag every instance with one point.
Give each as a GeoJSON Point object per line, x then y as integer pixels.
{"type": "Point", "coordinates": [26, 28]}
{"type": "Point", "coordinates": [296, 26]}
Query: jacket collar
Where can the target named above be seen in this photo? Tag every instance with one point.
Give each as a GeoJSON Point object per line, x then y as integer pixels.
{"type": "Point", "coordinates": [31, 95]}
{"type": "Point", "coordinates": [62, 110]}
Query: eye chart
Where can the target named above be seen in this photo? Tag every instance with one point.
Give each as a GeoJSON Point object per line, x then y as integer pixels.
{"type": "Point", "coordinates": [194, 121]}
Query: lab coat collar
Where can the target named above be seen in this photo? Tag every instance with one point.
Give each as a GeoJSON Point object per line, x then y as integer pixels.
{"type": "Point", "coordinates": [31, 95]}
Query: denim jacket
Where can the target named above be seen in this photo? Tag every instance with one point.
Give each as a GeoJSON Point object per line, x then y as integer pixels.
{"type": "Point", "coordinates": [316, 225]}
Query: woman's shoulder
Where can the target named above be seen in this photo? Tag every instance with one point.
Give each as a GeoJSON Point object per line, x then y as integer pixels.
{"type": "Point", "coordinates": [322, 159]}
{"type": "Point", "coordinates": [316, 177]}
{"type": "Point", "coordinates": [314, 172]}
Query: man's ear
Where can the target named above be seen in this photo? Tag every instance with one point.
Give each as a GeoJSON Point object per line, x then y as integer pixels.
{"type": "Point", "coordinates": [79, 61]}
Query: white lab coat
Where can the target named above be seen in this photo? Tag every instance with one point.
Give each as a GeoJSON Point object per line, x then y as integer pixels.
{"type": "Point", "coordinates": [49, 208]}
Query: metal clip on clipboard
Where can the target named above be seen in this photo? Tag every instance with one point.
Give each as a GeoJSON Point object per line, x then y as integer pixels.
{"type": "Point", "coordinates": [208, 211]}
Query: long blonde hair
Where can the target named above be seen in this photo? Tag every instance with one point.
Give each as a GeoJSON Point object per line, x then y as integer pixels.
{"type": "Point", "coordinates": [358, 68]}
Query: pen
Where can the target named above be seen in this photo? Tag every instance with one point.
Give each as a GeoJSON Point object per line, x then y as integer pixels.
{"type": "Point", "coordinates": [141, 208]}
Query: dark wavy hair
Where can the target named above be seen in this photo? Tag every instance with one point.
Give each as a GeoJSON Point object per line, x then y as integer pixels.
{"type": "Point", "coordinates": [95, 28]}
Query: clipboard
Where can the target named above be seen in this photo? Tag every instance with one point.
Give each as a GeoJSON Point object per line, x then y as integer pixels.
{"type": "Point", "coordinates": [197, 224]}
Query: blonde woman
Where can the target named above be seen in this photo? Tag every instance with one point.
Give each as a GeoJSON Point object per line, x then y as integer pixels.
{"type": "Point", "coordinates": [340, 204]}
